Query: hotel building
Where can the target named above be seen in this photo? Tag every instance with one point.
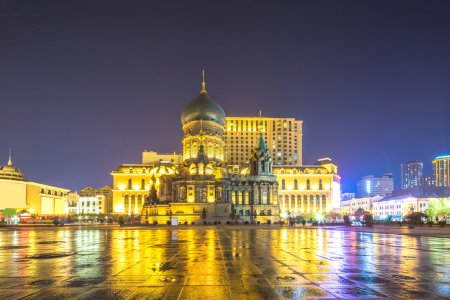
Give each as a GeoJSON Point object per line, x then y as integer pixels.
{"type": "Point", "coordinates": [283, 137]}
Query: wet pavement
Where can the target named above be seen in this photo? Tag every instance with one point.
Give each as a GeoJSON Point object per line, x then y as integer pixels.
{"type": "Point", "coordinates": [221, 263]}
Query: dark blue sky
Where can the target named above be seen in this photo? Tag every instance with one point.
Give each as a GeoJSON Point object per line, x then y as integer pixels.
{"type": "Point", "coordinates": [88, 85]}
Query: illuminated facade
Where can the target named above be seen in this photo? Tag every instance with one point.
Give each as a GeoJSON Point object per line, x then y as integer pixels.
{"type": "Point", "coordinates": [397, 208]}
{"type": "Point", "coordinates": [105, 191]}
{"type": "Point", "coordinates": [441, 167]}
{"type": "Point", "coordinates": [283, 137]}
{"type": "Point", "coordinates": [350, 206]}
{"type": "Point", "coordinates": [18, 194]}
{"type": "Point", "coordinates": [308, 189]}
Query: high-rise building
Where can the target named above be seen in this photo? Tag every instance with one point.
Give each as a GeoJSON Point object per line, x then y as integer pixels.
{"type": "Point", "coordinates": [428, 181]}
{"type": "Point", "coordinates": [412, 173]}
{"type": "Point", "coordinates": [442, 171]}
{"type": "Point", "coordinates": [282, 135]}
{"type": "Point", "coordinates": [370, 186]}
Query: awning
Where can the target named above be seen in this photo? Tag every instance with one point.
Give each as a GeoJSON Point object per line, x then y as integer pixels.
{"type": "Point", "coordinates": [9, 212]}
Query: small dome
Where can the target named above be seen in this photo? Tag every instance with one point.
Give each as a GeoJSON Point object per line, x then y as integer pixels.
{"type": "Point", "coordinates": [10, 172]}
{"type": "Point", "coordinates": [203, 108]}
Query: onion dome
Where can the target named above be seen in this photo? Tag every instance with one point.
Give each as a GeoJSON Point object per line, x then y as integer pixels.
{"type": "Point", "coordinates": [203, 108]}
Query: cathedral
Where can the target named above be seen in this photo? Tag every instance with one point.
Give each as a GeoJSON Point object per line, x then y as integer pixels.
{"type": "Point", "coordinates": [199, 187]}
{"type": "Point", "coordinates": [203, 185]}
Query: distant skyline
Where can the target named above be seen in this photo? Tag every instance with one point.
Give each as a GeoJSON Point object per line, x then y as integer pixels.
{"type": "Point", "coordinates": [88, 85]}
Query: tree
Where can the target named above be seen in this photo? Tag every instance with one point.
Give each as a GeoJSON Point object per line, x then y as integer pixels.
{"type": "Point", "coordinates": [415, 218]}
{"type": "Point", "coordinates": [439, 208]}
{"type": "Point", "coordinates": [368, 220]}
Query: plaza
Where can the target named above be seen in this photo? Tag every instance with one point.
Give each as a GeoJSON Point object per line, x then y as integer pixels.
{"type": "Point", "coordinates": [223, 262]}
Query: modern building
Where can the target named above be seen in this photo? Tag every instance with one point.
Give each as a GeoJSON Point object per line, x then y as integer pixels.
{"type": "Point", "coordinates": [17, 195]}
{"type": "Point", "coordinates": [411, 174]}
{"type": "Point", "coordinates": [397, 208]}
{"type": "Point", "coordinates": [370, 186]}
{"type": "Point", "coordinates": [283, 137]}
{"type": "Point", "coordinates": [350, 206]}
{"type": "Point", "coordinates": [428, 181]}
{"type": "Point", "coordinates": [441, 166]}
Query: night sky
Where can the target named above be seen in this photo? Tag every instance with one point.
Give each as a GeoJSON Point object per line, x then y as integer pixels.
{"type": "Point", "coordinates": [88, 85]}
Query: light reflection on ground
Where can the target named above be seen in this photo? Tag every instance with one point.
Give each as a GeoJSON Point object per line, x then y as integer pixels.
{"type": "Point", "coordinates": [220, 263]}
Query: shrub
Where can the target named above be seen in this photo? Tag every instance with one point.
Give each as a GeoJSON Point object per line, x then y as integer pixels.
{"type": "Point", "coordinates": [258, 222]}
{"type": "Point", "coordinates": [246, 223]}
{"type": "Point", "coordinates": [192, 223]}
{"type": "Point", "coordinates": [269, 222]}
{"type": "Point", "coordinates": [219, 222]}
{"type": "Point", "coordinates": [168, 222]}
{"type": "Point", "coordinates": [430, 223]}
{"type": "Point", "coordinates": [204, 223]}
{"type": "Point", "coordinates": [185, 222]}
{"type": "Point", "coordinates": [155, 222]}
{"type": "Point", "coordinates": [215, 222]}
{"type": "Point", "coordinates": [442, 223]}
{"type": "Point", "coordinates": [228, 222]}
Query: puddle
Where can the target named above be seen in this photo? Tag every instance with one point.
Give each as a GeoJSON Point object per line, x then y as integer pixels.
{"type": "Point", "coordinates": [166, 279]}
{"type": "Point", "coordinates": [41, 282]}
{"type": "Point", "coordinates": [403, 277]}
{"type": "Point", "coordinates": [50, 242]}
{"type": "Point", "coordinates": [286, 278]}
{"type": "Point", "coordinates": [12, 247]}
{"type": "Point", "coordinates": [49, 255]}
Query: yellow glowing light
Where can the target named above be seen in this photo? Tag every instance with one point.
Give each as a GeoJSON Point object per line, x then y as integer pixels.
{"type": "Point", "coordinates": [314, 187]}
{"type": "Point", "coordinates": [31, 210]}
{"type": "Point", "coordinates": [119, 208]}
{"type": "Point", "coordinates": [136, 187]}
{"type": "Point", "coordinates": [121, 186]}
{"type": "Point", "coordinates": [302, 187]}
{"type": "Point", "coordinates": [190, 199]}
{"type": "Point", "coordinates": [327, 187]}
{"type": "Point", "coordinates": [147, 187]}
{"type": "Point", "coordinates": [289, 187]}
{"type": "Point", "coordinates": [157, 181]}
{"type": "Point", "coordinates": [211, 199]}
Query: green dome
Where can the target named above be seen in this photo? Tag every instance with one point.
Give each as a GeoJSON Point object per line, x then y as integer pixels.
{"type": "Point", "coordinates": [203, 108]}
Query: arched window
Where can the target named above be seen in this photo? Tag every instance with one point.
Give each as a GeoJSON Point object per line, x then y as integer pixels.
{"type": "Point", "coordinates": [240, 198]}
{"type": "Point", "coordinates": [42, 191]}
{"type": "Point", "coordinates": [320, 184]}
{"type": "Point", "coordinates": [283, 184]}
{"type": "Point", "coordinates": [49, 192]}
{"type": "Point", "coordinates": [188, 152]}
{"type": "Point", "coordinates": [143, 184]}
{"type": "Point", "coordinates": [130, 183]}
{"type": "Point", "coordinates": [126, 203]}
{"type": "Point", "coordinates": [295, 184]}
{"type": "Point", "coordinates": [317, 198]}
{"type": "Point", "coordinates": [305, 198]}
{"type": "Point", "coordinates": [194, 150]}
{"type": "Point", "coordinates": [293, 201]}
{"type": "Point", "coordinates": [139, 198]}
{"type": "Point", "coordinates": [308, 184]}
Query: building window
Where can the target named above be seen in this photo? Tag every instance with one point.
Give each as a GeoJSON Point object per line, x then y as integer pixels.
{"type": "Point", "coordinates": [143, 184]}
{"type": "Point", "coordinates": [308, 184]}
{"type": "Point", "coordinates": [130, 183]}
{"type": "Point", "coordinates": [283, 184]}
{"type": "Point", "coordinates": [295, 184]}
{"type": "Point", "coordinates": [320, 184]}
